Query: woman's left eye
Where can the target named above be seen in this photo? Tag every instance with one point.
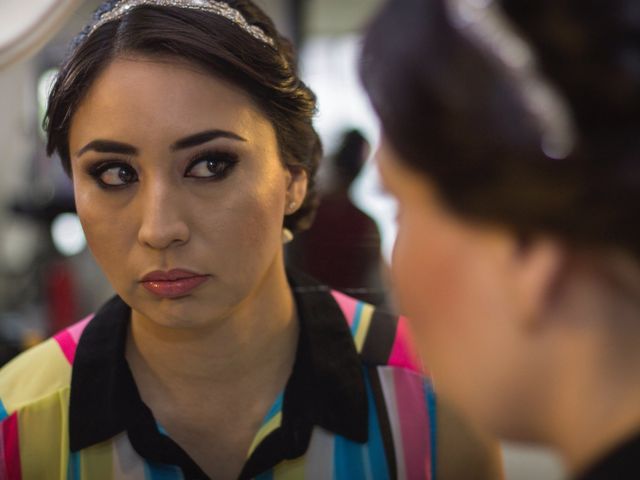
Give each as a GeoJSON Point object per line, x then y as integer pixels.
{"type": "Point", "coordinates": [211, 165]}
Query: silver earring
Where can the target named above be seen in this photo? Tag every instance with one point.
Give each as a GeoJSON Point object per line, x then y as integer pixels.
{"type": "Point", "coordinates": [292, 207]}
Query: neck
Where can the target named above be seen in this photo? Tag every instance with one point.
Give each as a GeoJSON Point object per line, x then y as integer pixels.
{"type": "Point", "coordinates": [256, 341]}
{"type": "Point", "coordinates": [597, 388]}
{"type": "Point", "coordinates": [604, 418]}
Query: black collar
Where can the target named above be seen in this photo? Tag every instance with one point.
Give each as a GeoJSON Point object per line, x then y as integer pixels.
{"type": "Point", "coordinates": [621, 463]}
{"type": "Point", "coordinates": [326, 387]}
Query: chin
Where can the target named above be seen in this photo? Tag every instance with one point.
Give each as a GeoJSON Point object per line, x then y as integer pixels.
{"type": "Point", "coordinates": [504, 420]}
{"type": "Point", "coordinates": [515, 432]}
{"type": "Point", "coordinates": [188, 312]}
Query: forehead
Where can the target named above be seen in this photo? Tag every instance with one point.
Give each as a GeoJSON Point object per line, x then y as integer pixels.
{"type": "Point", "coordinates": [140, 95]}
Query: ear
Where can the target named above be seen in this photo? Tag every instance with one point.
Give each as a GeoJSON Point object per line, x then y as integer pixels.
{"type": "Point", "coordinates": [538, 265]}
{"type": "Point", "coordinates": [297, 181]}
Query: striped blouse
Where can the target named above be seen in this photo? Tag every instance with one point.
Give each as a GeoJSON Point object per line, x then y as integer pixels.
{"type": "Point", "coordinates": [355, 406]}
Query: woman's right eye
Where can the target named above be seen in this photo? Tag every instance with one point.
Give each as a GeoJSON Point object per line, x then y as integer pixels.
{"type": "Point", "coordinates": [113, 175]}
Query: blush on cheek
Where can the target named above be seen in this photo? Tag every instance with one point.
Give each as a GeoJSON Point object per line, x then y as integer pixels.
{"type": "Point", "coordinates": [425, 269]}
{"type": "Point", "coordinates": [430, 277]}
{"type": "Point", "coordinates": [251, 230]}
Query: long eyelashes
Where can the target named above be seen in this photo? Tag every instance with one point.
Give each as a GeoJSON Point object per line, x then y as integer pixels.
{"type": "Point", "coordinates": [206, 166]}
{"type": "Point", "coordinates": [113, 174]}
{"type": "Point", "coordinates": [212, 165]}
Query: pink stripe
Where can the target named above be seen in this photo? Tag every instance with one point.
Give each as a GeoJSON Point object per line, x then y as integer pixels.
{"type": "Point", "coordinates": [67, 345]}
{"type": "Point", "coordinates": [414, 423]}
{"type": "Point", "coordinates": [11, 449]}
{"type": "Point", "coordinates": [3, 463]}
{"type": "Point", "coordinates": [68, 339]}
{"type": "Point", "coordinates": [403, 354]}
{"type": "Point", "coordinates": [347, 305]}
{"type": "Point", "coordinates": [77, 329]}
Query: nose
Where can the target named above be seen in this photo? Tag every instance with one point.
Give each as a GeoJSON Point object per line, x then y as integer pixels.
{"type": "Point", "coordinates": [162, 223]}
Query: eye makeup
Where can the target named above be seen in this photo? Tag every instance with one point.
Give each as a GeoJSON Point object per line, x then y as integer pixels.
{"type": "Point", "coordinates": [112, 174]}
{"type": "Point", "coordinates": [209, 165]}
{"type": "Point", "coordinates": [212, 165]}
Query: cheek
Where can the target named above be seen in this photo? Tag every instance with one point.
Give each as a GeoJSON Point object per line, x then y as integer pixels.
{"type": "Point", "coordinates": [94, 219]}
{"type": "Point", "coordinates": [109, 236]}
{"type": "Point", "coordinates": [451, 287]}
{"type": "Point", "coordinates": [428, 267]}
{"type": "Point", "coordinates": [247, 223]}
{"type": "Point", "coordinates": [250, 225]}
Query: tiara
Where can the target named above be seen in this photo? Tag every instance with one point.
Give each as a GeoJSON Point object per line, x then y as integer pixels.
{"type": "Point", "coordinates": [121, 8]}
{"type": "Point", "coordinates": [484, 23]}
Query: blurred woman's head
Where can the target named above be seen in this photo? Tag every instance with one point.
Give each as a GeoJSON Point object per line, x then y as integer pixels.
{"type": "Point", "coordinates": [510, 137]}
{"type": "Point", "coordinates": [188, 135]}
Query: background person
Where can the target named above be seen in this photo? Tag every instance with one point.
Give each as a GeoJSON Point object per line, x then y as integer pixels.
{"type": "Point", "coordinates": [342, 247]}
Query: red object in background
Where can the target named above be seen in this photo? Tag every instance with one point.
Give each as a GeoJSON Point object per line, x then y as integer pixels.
{"type": "Point", "coordinates": [60, 295]}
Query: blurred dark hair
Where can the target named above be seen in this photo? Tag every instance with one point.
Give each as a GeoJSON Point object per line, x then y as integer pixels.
{"type": "Point", "coordinates": [452, 112]}
{"type": "Point", "coordinates": [215, 44]}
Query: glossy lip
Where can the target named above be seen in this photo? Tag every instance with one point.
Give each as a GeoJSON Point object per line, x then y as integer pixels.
{"type": "Point", "coordinates": [173, 283]}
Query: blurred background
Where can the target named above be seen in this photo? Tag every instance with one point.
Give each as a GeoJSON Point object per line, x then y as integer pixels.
{"type": "Point", "coordinates": [47, 276]}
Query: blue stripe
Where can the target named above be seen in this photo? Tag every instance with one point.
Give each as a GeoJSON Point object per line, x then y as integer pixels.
{"type": "Point", "coordinates": [362, 461]}
{"type": "Point", "coordinates": [348, 460]}
{"type": "Point", "coordinates": [377, 457]}
{"type": "Point", "coordinates": [265, 476]}
{"type": "Point", "coordinates": [3, 411]}
{"type": "Point", "coordinates": [433, 418]}
{"type": "Point", "coordinates": [275, 409]}
{"type": "Point", "coordinates": [73, 468]}
{"type": "Point", "coordinates": [156, 471]}
{"type": "Point", "coordinates": [356, 318]}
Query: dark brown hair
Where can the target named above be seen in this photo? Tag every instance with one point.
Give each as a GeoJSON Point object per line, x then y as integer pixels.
{"type": "Point", "coordinates": [452, 113]}
{"type": "Point", "coordinates": [219, 46]}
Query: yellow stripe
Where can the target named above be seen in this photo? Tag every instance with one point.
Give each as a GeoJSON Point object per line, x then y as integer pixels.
{"type": "Point", "coordinates": [363, 326]}
{"type": "Point", "coordinates": [96, 462]}
{"type": "Point", "coordinates": [291, 469]}
{"type": "Point", "coordinates": [265, 430]}
{"type": "Point", "coordinates": [33, 375]}
{"type": "Point", "coordinates": [43, 427]}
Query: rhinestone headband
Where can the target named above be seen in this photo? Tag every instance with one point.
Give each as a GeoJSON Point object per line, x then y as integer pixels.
{"type": "Point", "coordinates": [121, 8]}
{"type": "Point", "coordinates": [484, 23]}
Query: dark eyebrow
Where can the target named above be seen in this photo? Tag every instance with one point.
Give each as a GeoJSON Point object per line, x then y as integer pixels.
{"type": "Point", "coordinates": [204, 137]}
{"type": "Point", "coordinates": [108, 146]}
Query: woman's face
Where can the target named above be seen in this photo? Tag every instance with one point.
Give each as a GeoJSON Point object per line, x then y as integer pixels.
{"type": "Point", "coordinates": [460, 284]}
{"type": "Point", "coordinates": [180, 188]}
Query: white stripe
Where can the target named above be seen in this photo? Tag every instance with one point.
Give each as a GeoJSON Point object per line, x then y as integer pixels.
{"type": "Point", "coordinates": [366, 460]}
{"type": "Point", "coordinates": [386, 375]}
{"type": "Point", "coordinates": [127, 464]}
{"type": "Point", "coordinates": [319, 456]}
